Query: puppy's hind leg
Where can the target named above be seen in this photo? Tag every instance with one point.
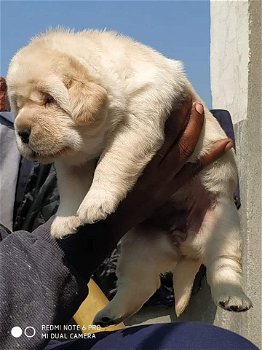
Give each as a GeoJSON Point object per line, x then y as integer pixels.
{"type": "Point", "coordinates": [183, 280]}
{"type": "Point", "coordinates": [222, 257]}
{"type": "Point", "coordinates": [143, 257]}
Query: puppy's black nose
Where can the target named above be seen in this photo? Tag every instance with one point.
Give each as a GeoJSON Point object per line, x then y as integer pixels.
{"type": "Point", "coordinates": [24, 135]}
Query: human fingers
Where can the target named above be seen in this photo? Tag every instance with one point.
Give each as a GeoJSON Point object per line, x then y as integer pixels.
{"type": "Point", "coordinates": [189, 170]}
{"type": "Point", "coordinates": [184, 147]}
{"type": "Point", "coordinates": [217, 150]}
{"type": "Point", "coordinates": [178, 119]}
{"type": "Point", "coordinates": [174, 127]}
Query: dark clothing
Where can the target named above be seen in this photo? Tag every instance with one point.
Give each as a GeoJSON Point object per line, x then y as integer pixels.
{"type": "Point", "coordinates": [225, 121]}
{"type": "Point", "coordinates": [36, 287]}
{"type": "Point", "coordinates": [171, 336]}
{"type": "Point", "coordinates": [9, 165]}
{"type": "Point", "coordinates": [43, 281]}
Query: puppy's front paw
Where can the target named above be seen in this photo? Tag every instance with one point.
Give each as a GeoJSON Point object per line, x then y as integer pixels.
{"type": "Point", "coordinates": [63, 226]}
{"type": "Point", "coordinates": [96, 206]}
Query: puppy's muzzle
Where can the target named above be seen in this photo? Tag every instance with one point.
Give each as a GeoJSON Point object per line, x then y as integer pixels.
{"type": "Point", "coordinates": [24, 135]}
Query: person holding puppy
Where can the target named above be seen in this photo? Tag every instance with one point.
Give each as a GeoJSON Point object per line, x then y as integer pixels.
{"type": "Point", "coordinates": [44, 281]}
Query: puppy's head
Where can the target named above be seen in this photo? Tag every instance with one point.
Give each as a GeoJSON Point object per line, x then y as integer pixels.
{"type": "Point", "coordinates": [57, 105]}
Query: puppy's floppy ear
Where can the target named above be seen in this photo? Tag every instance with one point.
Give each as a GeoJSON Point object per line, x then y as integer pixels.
{"type": "Point", "coordinates": [87, 99]}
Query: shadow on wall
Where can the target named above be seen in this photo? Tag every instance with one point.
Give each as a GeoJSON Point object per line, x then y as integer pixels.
{"type": "Point", "coordinates": [201, 308]}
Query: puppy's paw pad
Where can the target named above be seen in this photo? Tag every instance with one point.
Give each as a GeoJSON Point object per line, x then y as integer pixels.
{"type": "Point", "coordinates": [235, 303]}
{"type": "Point", "coordinates": [96, 207]}
{"type": "Point", "coordinates": [63, 226]}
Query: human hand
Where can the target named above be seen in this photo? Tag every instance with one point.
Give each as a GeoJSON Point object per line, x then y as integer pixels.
{"type": "Point", "coordinates": [168, 170]}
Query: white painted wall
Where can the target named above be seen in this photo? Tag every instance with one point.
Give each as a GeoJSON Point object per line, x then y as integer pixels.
{"type": "Point", "coordinates": [229, 56]}
{"type": "Point", "coordinates": [236, 66]}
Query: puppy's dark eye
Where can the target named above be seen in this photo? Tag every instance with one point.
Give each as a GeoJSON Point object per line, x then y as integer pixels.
{"type": "Point", "coordinates": [49, 99]}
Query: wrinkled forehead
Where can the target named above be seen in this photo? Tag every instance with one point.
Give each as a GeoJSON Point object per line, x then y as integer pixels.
{"type": "Point", "coordinates": [32, 73]}
{"type": "Point", "coordinates": [27, 69]}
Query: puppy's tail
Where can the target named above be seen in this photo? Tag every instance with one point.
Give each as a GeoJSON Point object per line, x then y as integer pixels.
{"type": "Point", "coordinates": [183, 279]}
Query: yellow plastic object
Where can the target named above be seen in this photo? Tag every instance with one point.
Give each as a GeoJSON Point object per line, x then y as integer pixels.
{"type": "Point", "coordinates": [94, 302]}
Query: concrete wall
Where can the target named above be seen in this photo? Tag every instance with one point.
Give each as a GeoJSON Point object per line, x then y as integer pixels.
{"type": "Point", "coordinates": [236, 80]}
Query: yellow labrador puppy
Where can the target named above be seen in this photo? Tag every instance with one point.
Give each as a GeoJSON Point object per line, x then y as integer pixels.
{"type": "Point", "coordinates": [79, 97]}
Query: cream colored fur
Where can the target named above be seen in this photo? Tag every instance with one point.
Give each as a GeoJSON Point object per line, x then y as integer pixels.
{"type": "Point", "coordinates": [98, 95]}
